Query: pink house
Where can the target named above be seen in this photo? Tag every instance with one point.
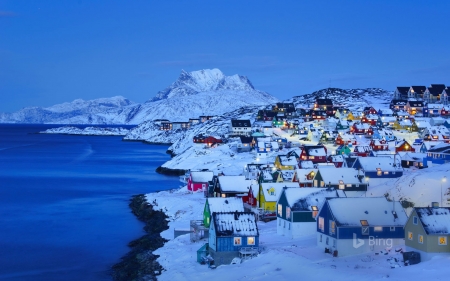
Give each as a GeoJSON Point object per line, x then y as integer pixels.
{"type": "Point", "coordinates": [198, 180]}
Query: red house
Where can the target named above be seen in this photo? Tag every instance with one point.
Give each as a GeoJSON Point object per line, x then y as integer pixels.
{"type": "Point", "coordinates": [314, 153]}
{"type": "Point", "coordinates": [210, 140]}
{"type": "Point", "coordinates": [379, 145]}
{"type": "Point", "coordinates": [445, 111]}
{"type": "Point", "coordinates": [199, 180]}
{"type": "Point", "coordinates": [362, 150]}
{"type": "Point", "coordinates": [359, 128]}
{"type": "Point", "coordinates": [250, 199]}
{"type": "Point", "coordinates": [403, 146]}
{"type": "Point", "coordinates": [340, 140]}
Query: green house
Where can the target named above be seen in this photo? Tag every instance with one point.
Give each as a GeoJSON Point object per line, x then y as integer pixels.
{"type": "Point", "coordinates": [219, 204]}
{"type": "Point", "coordinates": [343, 149]}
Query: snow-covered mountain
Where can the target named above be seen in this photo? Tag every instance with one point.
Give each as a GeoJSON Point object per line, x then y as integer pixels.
{"type": "Point", "coordinates": [203, 92]}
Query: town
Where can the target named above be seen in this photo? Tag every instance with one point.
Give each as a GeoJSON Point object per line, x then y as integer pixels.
{"type": "Point", "coordinates": [311, 171]}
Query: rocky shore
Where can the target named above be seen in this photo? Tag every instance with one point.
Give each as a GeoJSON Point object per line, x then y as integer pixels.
{"type": "Point", "coordinates": [170, 172]}
{"type": "Point", "coordinates": [140, 263]}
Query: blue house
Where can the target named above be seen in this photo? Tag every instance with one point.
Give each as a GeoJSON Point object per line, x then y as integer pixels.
{"type": "Point", "coordinates": [350, 226]}
{"type": "Point", "coordinates": [379, 167]}
{"type": "Point", "coordinates": [232, 234]}
{"type": "Point", "coordinates": [439, 154]}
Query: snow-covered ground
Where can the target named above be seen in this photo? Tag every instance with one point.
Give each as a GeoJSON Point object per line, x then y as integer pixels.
{"type": "Point", "coordinates": [298, 259]}
{"type": "Point", "coordinates": [88, 131]}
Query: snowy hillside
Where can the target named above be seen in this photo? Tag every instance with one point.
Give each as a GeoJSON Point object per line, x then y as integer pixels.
{"type": "Point", "coordinates": [204, 92]}
{"type": "Point", "coordinates": [354, 99]}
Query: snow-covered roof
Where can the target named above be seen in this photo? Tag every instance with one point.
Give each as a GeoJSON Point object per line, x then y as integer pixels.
{"type": "Point", "coordinates": [234, 183]}
{"type": "Point", "coordinates": [307, 164]}
{"type": "Point", "coordinates": [315, 151]}
{"type": "Point", "coordinates": [377, 211]}
{"type": "Point", "coordinates": [302, 173]}
{"type": "Point", "coordinates": [229, 204]}
{"type": "Point", "coordinates": [388, 119]}
{"type": "Point", "coordinates": [347, 175]}
{"type": "Point", "coordinates": [277, 188]}
{"type": "Point", "coordinates": [287, 161]}
{"type": "Point", "coordinates": [201, 176]}
{"type": "Point", "coordinates": [288, 175]}
{"type": "Point", "coordinates": [233, 224]}
{"type": "Point", "coordinates": [385, 163]}
{"type": "Point", "coordinates": [295, 194]}
{"type": "Point", "coordinates": [435, 220]}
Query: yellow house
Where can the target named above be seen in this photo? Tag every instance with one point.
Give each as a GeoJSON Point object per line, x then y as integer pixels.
{"type": "Point", "coordinates": [350, 116]}
{"type": "Point", "coordinates": [269, 193]}
{"type": "Point", "coordinates": [287, 162]}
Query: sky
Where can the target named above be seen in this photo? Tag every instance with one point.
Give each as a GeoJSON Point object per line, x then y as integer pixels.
{"type": "Point", "coordinates": [57, 51]}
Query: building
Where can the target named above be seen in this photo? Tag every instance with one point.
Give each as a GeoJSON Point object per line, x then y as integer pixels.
{"type": "Point", "coordinates": [351, 226]}
{"type": "Point", "coordinates": [241, 127]}
{"type": "Point", "coordinates": [199, 180]}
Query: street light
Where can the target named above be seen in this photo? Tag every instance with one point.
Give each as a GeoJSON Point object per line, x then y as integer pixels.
{"type": "Point", "coordinates": [444, 179]}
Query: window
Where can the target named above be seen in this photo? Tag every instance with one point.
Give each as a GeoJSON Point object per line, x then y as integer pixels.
{"type": "Point", "coordinates": [327, 240]}
{"type": "Point", "coordinates": [341, 184]}
{"type": "Point", "coordinates": [442, 240]}
{"type": "Point", "coordinates": [386, 172]}
{"type": "Point", "coordinates": [237, 241]}
{"type": "Point", "coordinates": [311, 157]}
{"type": "Point", "coordinates": [364, 223]}
{"type": "Point", "coordinates": [392, 228]}
{"type": "Point", "coordinates": [420, 239]}
{"type": "Point", "coordinates": [251, 240]}
{"type": "Point", "coordinates": [288, 212]}
{"type": "Point", "coordinates": [378, 228]}
{"type": "Point", "coordinates": [321, 224]}
{"type": "Point", "coordinates": [280, 210]}
{"type": "Point", "coordinates": [332, 227]}
{"type": "Point", "coordinates": [378, 171]}
{"type": "Point", "coordinates": [415, 220]}
{"type": "Point", "coordinates": [410, 235]}
{"type": "Point", "coordinates": [315, 211]}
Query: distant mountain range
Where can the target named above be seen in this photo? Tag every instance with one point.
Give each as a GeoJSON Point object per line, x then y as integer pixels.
{"type": "Point", "coordinates": [203, 92]}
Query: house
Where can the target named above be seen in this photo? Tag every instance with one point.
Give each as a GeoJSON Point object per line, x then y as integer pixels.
{"type": "Point", "coordinates": [338, 160]}
{"type": "Point", "coordinates": [359, 128]}
{"type": "Point", "coordinates": [250, 200]}
{"type": "Point", "coordinates": [351, 226]}
{"type": "Point", "coordinates": [241, 127]}
{"type": "Point", "coordinates": [427, 231]}
{"type": "Point", "coordinates": [314, 153]}
{"type": "Point", "coordinates": [398, 104]}
{"type": "Point", "coordinates": [252, 170]}
{"type": "Point", "coordinates": [181, 125]}
{"type": "Point", "coordinates": [343, 149]}
{"type": "Point", "coordinates": [388, 120]}
{"type": "Point", "coordinates": [323, 104]}
{"type": "Point", "coordinates": [346, 179]}
{"type": "Point", "coordinates": [403, 145]}
{"type": "Point", "coordinates": [433, 93]}
{"type": "Point", "coordinates": [342, 124]}
{"type": "Point", "coordinates": [266, 115]}
{"type": "Point", "coordinates": [385, 112]}
{"type": "Point", "coordinates": [445, 111]}
{"type": "Point", "coordinates": [199, 180]}
{"type": "Point", "coordinates": [439, 154]}
{"type": "Point", "coordinates": [345, 139]}
{"type": "Point", "coordinates": [434, 109]}
{"type": "Point", "coordinates": [270, 175]}
{"type": "Point", "coordinates": [231, 233]}
{"type": "Point", "coordinates": [379, 167]}
{"type": "Point", "coordinates": [403, 125]}
{"type": "Point", "coordinates": [411, 159]}
{"type": "Point", "coordinates": [416, 92]}
{"type": "Point", "coordinates": [362, 150]}
{"type": "Point", "coordinates": [245, 144]}
{"type": "Point", "coordinates": [287, 162]}
{"type": "Point", "coordinates": [231, 186]}
{"type": "Point", "coordinates": [401, 93]}
{"type": "Point", "coordinates": [328, 136]}
{"type": "Point", "coordinates": [415, 107]}
{"type": "Point", "coordinates": [379, 144]}
{"type": "Point", "coordinates": [297, 209]}
{"type": "Point", "coordinates": [318, 114]}
{"type": "Point", "coordinates": [369, 110]}
{"type": "Point", "coordinates": [436, 121]}
{"type": "Point", "coordinates": [263, 148]}
{"type": "Point", "coordinates": [304, 177]}
{"type": "Point", "coordinates": [208, 140]}
{"type": "Point", "coordinates": [401, 115]}
{"type": "Point", "coordinates": [269, 193]}
{"type": "Point", "coordinates": [220, 205]}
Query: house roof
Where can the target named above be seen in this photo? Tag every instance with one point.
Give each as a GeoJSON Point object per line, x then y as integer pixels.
{"type": "Point", "coordinates": [415, 103]}
{"type": "Point", "coordinates": [301, 199]}
{"type": "Point", "coordinates": [403, 90]}
{"type": "Point", "coordinates": [237, 223]}
{"type": "Point", "coordinates": [277, 188]}
{"type": "Point", "coordinates": [302, 173]}
{"type": "Point", "coordinates": [229, 204]}
{"type": "Point", "coordinates": [287, 161]}
{"type": "Point", "coordinates": [315, 150]}
{"type": "Point", "coordinates": [377, 211]}
{"type": "Point", "coordinates": [347, 175]}
{"type": "Point", "coordinates": [435, 220]}
{"type": "Point", "coordinates": [245, 139]}
{"type": "Point", "coordinates": [241, 123]}
{"type": "Point", "coordinates": [384, 163]}
{"type": "Point", "coordinates": [202, 176]}
{"type": "Point", "coordinates": [234, 183]}
{"type": "Point", "coordinates": [441, 148]}
{"type": "Point", "coordinates": [418, 89]}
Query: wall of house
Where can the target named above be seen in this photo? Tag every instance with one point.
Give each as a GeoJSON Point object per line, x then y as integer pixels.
{"type": "Point", "coordinates": [295, 229]}
{"type": "Point", "coordinates": [386, 233]}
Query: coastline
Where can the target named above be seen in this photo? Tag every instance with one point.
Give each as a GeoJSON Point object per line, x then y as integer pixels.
{"type": "Point", "coordinates": [170, 172]}
{"type": "Point", "coordinates": [140, 262]}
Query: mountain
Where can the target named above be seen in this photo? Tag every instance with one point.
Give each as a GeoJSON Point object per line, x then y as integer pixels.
{"type": "Point", "coordinates": [203, 92]}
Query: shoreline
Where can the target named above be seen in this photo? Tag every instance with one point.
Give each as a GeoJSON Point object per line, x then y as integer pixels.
{"type": "Point", "coordinates": [140, 262]}
{"type": "Point", "coordinates": [170, 172]}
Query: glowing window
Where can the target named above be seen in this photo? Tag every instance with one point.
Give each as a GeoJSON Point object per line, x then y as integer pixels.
{"type": "Point", "coordinates": [410, 235]}
{"type": "Point", "coordinates": [321, 224]}
{"type": "Point", "coordinates": [420, 239]}
{"type": "Point", "coordinates": [237, 241]}
{"type": "Point", "coordinates": [442, 240]}
{"type": "Point", "coordinates": [250, 240]}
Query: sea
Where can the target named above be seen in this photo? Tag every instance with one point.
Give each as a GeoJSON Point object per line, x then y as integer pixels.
{"type": "Point", "coordinates": [64, 211]}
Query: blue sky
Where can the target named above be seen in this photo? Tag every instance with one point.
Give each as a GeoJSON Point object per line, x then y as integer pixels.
{"type": "Point", "coordinates": [58, 51]}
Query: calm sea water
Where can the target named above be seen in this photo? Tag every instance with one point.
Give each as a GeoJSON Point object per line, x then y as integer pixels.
{"type": "Point", "coordinates": [64, 211]}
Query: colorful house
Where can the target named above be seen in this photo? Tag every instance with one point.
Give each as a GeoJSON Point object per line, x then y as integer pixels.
{"type": "Point", "coordinates": [379, 167]}
{"type": "Point", "coordinates": [379, 145]}
{"type": "Point", "coordinates": [297, 209]}
{"type": "Point", "coordinates": [403, 145]}
{"type": "Point", "coordinates": [231, 186]}
{"type": "Point", "coordinates": [304, 177]}
{"type": "Point", "coordinates": [199, 180]}
{"type": "Point", "coordinates": [314, 153]}
{"type": "Point", "coordinates": [346, 179]}
{"type": "Point", "coordinates": [439, 154]}
{"type": "Point", "coordinates": [286, 162]}
{"type": "Point", "coordinates": [269, 193]}
{"type": "Point", "coordinates": [220, 205]}
{"type": "Point", "coordinates": [345, 226]}
{"type": "Point", "coordinates": [232, 233]}
{"type": "Point", "coordinates": [362, 150]}
{"type": "Point", "coordinates": [343, 149]}
{"type": "Point", "coordinates": [427, 231]}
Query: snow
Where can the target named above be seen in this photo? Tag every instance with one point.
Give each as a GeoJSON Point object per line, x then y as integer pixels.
{"type": "Point", "coordinates": [236, 223]}
{"type": "Point", "coordinates": [295, 194]}
{"type": "Point", "coordinates": [347, 175]}
{"type": "Point", "coordinates": [88, 131]}
{"type": "Point", "coordinates": [230, 204]}
{"type": "Point", "coordinates": [435, 220]}
{"type": "Point", "coordinates": [377, 211]}
{"type": "Point", "coordinates": [234, 183]}
{"type": "Point", "coordinates": [277, 187]}
{"type": "Point", "coordinates": [201, 176]}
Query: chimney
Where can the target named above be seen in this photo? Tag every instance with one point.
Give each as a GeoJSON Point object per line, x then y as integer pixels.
{"type": "Point", "coordinates": [435, 205]}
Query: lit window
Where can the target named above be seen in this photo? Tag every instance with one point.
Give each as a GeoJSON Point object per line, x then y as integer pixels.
{"type": "Point", "coordinates": [315, 211]}
{"type": "Point", "coordinates": [386, 172]}
{"type": "Point", "coordinates": [321, 224]}
{"type": "Point", "coordinates": [410, 235]}
{"type": "Point", "coordinates": [420, 239]}
{"type": "Point", "coordinates": [364, 223]}
{"type": "Point", "coordinates": [237, 241]}
{"type": "Point", "coordinates": [288, 213]}
{"type": "Point", "coordinates": [280, 210]}
{"type": "Point", "coordinates": [442, 240]}
{"type": "Point", "coordinates": [378, 228]}
{"type": "Point", "coordinates": [332, 227]}
{"type": "Point", "coordinates": [378, 171]}
{"type": "Point", "coordinates": [250, 240]}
